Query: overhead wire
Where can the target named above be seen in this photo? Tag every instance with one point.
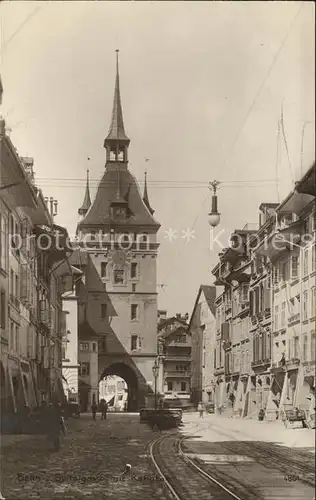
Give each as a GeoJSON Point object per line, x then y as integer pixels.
{"type": "Point", "coordinates": [286, 145]}
{"type": "Point", "coordinates": [277, 162]}
{"type": "Point", "coordinates": [192, 230]}
{"type": "Point", "coordinates": [224, 163]}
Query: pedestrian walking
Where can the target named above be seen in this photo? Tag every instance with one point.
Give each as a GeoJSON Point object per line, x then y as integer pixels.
{"type": "Point", "coordinates": [94, 408]}
{"type": "Point", "coordinates": [201, 409]}
{"type": "Point", "coordinates": [104, 410]}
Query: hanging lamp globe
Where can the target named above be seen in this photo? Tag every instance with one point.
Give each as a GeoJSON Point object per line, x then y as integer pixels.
{"type": "Point", "coordinates": [214, 216]}
{"type": "Point", "coordinates": [214, 219]}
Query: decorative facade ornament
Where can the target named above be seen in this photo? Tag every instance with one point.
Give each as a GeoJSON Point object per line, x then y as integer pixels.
{"type": "Point", "coordinates": [119, 257]}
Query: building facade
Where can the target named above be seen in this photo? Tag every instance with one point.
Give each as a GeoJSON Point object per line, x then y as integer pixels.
{"type": "Point", "coordinates": [202, 328]}
{"type": "Point", "coordinates": [119, 232]}
{"type": "Point", "coordinates": [264, 348]}
{"type": "Point", "coordinates": [233, 350]}
{"type": "Point", "coordinates": [175, 339]}
{"type": "Point", "coordinates": [114, 391]}
{"type": "Point", "coordinates": [33, 265]}
{"type": "Point", "coordinates": [290, 248]}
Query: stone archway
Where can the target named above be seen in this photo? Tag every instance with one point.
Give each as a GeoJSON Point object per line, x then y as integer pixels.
{"type": "Point", "coordinates": [125, 372]}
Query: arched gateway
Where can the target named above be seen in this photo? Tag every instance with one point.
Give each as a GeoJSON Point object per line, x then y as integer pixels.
{"type": "Point", "coordinates": [122, 370]}
{"type": "Point", "coordinates": [119, 233]}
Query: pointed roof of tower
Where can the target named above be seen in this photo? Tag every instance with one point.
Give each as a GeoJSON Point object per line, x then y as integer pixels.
{"type": "Point", "coordinates": [117, 131]}
{"type": "Point", "coordinates": [145, 197]}
{"type": "Point", "coordinates": [99, 213]}
{"type": "Point", "coordinates": [87, 200]}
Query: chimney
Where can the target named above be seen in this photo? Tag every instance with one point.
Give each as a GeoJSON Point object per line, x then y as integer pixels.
{"type": "Point", "coordinates": [28, 167]}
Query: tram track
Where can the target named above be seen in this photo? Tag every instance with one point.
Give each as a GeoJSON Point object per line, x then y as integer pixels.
{"type": "Point", "coordinates": [269, 458]}
{"type": "Point", "coordinates": [183, 478]}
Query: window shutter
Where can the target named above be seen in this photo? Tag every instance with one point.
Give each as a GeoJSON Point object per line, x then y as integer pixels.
{"type": "Point", "coordinates": [30, 342]}
{"type": "Point", "coordinates": [251, 302]}
{"type": "Point", "coordinates": [23, 283]}
{"type": "Point", "coordinates": [266, 300]}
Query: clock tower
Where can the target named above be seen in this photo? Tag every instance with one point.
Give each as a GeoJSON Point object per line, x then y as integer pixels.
{"type": "Point", "coordinates": [119, 232]}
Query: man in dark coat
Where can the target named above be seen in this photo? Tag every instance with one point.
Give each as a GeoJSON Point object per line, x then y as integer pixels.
{"type": "Point", "coordinates": [104, 410]}
{"type": "Point", "coordinates": [94, 408]}
{"type": "Point", "coordinates": [54, 425]}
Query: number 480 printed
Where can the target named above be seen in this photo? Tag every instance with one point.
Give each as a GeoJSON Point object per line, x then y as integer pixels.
{"type": "Point", "coordinates": [292, 478]}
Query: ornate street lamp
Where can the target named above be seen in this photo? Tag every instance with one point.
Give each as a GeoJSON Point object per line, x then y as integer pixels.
{"type": "Point", "coordinates": [214, 216]}
{"type": "Point", "coordinates": [155, 374]}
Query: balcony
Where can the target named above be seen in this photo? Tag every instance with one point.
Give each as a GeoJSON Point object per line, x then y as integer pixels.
{"type": "Point", "coordinates": [177, 357]}
{"type": "Point", "coordinates": [278, 366]}
{"type": "Point", "coordinates": [292, 364]}
{"type": "Point", "coordinates": [295, 318]}
{"type": "Point", "coordinates": [219, 371]}
{"type": "Point", "coordinates": [260, 364]}
{"type": "Point", "coordinates": [177, 373]}
{"type": "Point", "coordinates": [284, 238]}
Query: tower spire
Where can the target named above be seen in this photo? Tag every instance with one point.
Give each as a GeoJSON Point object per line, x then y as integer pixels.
{"type": "Point", "coordinates": [117, 130]}
{"type": "Point", "coordinates": [87, 200]}
{"type": "Point", "coordinates": [145, 196]}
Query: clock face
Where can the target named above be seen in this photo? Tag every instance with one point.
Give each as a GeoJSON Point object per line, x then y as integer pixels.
{"type": "Point", "coordinates": [118, 257]}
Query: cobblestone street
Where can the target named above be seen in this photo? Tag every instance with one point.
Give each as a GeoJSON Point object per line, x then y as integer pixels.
{"type": "Point", "coordinates": [90, 463]}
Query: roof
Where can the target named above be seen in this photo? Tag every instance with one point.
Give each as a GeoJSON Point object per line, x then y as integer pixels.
{"type": "Point", "coordinates": [79, 258]}
{"type": "Point", "coordinates": [87, 200]}
{"type": "Point", "coordinates": [210, 297]}
{"type": "Point", "coordinates": [268, 205]}
{"type": "Point", "coordinates": [117, 131]}
{"type": "Point", "coordinates": [99, 212]}
{"type": "Point", "coordinates": [86, 331]}
{"type": "Point", "coordinates": [307, 184]}
{"type": "Point", "coordinates": [173, 319]}
{"type": "Point", "coordinates": [172, 332]}
{"type": "Point", "coordinates": [145, 197]}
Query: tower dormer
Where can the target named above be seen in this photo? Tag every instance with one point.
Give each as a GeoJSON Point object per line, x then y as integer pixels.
{"type": "Point", "coordinates": [116, 143]}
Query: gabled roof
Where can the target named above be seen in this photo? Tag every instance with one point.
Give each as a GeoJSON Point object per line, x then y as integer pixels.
{"type": "Point", "coordinates": [210, 297]}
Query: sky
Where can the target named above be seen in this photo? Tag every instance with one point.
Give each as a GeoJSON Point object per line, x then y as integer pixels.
{"type": "Point", "coordinates": [202, 88]}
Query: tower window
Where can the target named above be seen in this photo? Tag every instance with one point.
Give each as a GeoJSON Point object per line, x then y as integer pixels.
{"type": "Point", "coordinates": [103, 310]}
{"type": "Point", "coordinates": [103, 269]}
{"type": "Point", "coordinates": [84, 369]}
{"type": "Point", "coordinates": [134, 339]}
{"type": "Point", "coordinates": [119, 276]}
{"type": "Point", "coordinates": [134, 270]}
{"type": "Point", "coordinates": [134, 311]}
